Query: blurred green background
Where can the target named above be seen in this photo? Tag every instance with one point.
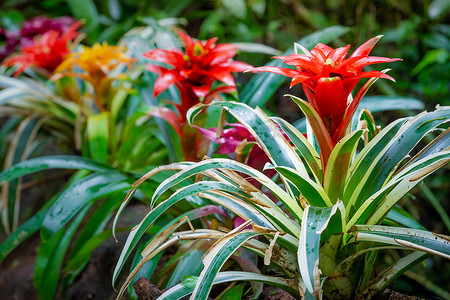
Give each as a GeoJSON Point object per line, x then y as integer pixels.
{"type": "Point", "coordinates": [415, 30]}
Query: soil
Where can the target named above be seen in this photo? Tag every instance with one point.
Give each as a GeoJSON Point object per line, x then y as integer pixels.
{"type": "Point", "coordinates": [393, 295]}
{"type": "Point", "coordinates": [16, 272]}
{"type": "Point", "coordinates": [273, 293]}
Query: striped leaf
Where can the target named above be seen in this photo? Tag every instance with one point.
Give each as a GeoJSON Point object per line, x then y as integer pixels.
{"type": "Point", "coordinates": [315, 221]}
{"type": "Point", "coordinates": [216, 257]}
{"type": "Point", "coordinates": [422, 240]}
{"type": "Point", "coordinates": [306, 151]}
{"type": "Point", "coordinates": [338, 164]}
{"type": "Point", "coordinates": [188, 284]}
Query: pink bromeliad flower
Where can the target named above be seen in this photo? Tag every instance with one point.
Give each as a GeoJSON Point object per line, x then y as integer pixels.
{"type": "Point", "coordinates": [231, 138]}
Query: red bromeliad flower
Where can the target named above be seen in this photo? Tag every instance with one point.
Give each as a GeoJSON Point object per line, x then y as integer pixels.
{"type": "Point", "coordinates": [195, 70]}
{"type": "Point", "coordinates": [328, 78]}
{"type": "Point", "coordinates": [46, 52]}
{"type": "Point", "coordinates": [30, 29]}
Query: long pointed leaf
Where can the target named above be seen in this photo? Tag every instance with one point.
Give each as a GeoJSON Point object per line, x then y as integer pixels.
{"type": "Point", "coordinates": [338, 164]}
{"type": "Point", "coordinates": [51, 162]}
{"type": "Point", "coordinates": [188, 284]}
{"type": "Point", "coordinates": [79, 194]}
{"type": "Point", "coordinates": [314, 222]}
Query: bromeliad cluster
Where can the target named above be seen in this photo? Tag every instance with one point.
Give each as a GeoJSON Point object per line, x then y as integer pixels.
{"type": "Point", "coordinates": [334, 211]}
{"type": "Point", "coordinates": [30, 30]}
{"type": "Point", "coordinates": [194, 73]}
{"type": "Point", "coordinates": [44, 44]}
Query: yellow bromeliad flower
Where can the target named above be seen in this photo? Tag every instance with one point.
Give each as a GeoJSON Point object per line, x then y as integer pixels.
{"type": "Point", "coordinates": [96, 64]}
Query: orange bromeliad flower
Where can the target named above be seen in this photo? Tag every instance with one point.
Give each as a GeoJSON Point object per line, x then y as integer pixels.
{"type": "Point", "coordinates": [46, 52]}
{"type": "Point", "coordinates": [195, 70]}
{"type": "Point", "coordinates": [96, 62]}
{"type": "Point", "coordinates": [328, 78]}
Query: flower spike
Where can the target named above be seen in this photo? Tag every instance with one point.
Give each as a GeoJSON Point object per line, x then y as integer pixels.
{"type": "Point", "coordinates": [328, 77]}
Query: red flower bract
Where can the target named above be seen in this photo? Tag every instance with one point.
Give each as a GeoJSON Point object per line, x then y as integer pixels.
{"type": "Point", "coordinates": [328, 78]}
{"type": "Point", "coordinates": [195, 70]}
{"type": "Point", "coordinates": [46, 52]}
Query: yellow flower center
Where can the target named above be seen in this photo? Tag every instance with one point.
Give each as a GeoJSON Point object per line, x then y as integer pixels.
{"type": "Point", "coordinates": [330, 62]}
{"type": "Point", "coordinates": [198, 50]}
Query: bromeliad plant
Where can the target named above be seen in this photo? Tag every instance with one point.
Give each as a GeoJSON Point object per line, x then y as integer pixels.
{"type": "Point", "coordinates": [328, 79]}
{"type": "Point", "coordinates": [193, 72]}
{"type": "Point", "coordinates": [324, 239]}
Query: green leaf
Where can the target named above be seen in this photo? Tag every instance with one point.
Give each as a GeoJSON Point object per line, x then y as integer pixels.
{"type": "Point", "coordinates": [84, 253]}
{"type": "Point", "coordinates": [438, 8]}
{"type": "Point", "coordinates": [90, 237]}
{"type": "Point", "coordinates": [85, 10]}
{"type": "Point", "coordinates": [74, 198]}
{"type": "Point", "coordinates": [51, 255]}
{"type": "Point", "coordinates": [263, 129]}
{"type": "Point", "coordinates": [315, 221]}
{"type": "Point", "coordinates": [25, 230]}
{"type": "Point", "coordinates": [399, 147]}
{"type": "Point", "coordinates": [216, 257]}
{"type": "Point", "coordinates": [181, 194]}
{"type": "Point", "coordinates": [441, 143]}
{"type": "Point", "coordinates": [436, 204]}
{"type": "Point", "coordinates": [148, 268]}
{"type": "Point", "coordinates": [380, 203]}
{"type": "Point", "coordinates": [189, 282]}
{"type": "Point", "coordinates": [263, 85]}
{"type": "Point", "coordinates": [422, 240]}
{"type": "Point", "coordinates": [98, 136]}
{"type": "Point", "coordinates": [402, 217]}
{"type": "Point", "coordinates": [307, 152]}
{"type": "Point", "coordinates": [115, 11]}
{"type": "Point", "coordinates": [235, 293]}
{"type": "Point", "coordinates": [386, 103]}
{"type": "Point", "coordinates": [256, 48]}
{"type": "Point", "coordinates": [188, 265]}
{"type": "Point", "coordinates": [139, 41]}
{"type": "Point", "coordinates": [18, 150]}
{"type": "Point", "coordinates": [10, 94]}
{"type": "Point", "coordinates": [338, 164]}
{"type": "Point", "coordinates": [236, 8]}
{"type": "Point", "coordinates": [313, 192]}
{"type": "Point", "coordinates": [386, 277]}
{"type": "Point", "coordinates": [376, 162]}
{"type": "Point", "coordinates": [51, 162]}
{"type": "Point", "coordinates": [365, 160]}
{"type": "Point", "coordinates": [218, 163]}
